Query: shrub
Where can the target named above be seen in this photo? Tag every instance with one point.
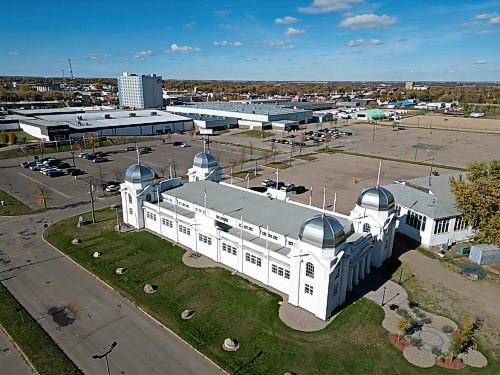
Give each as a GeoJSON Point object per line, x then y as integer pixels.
{"type": "Point", "coordinates": [421, 315]}
{"type": "Point", "coordinates": [412, 304]}
{"type": "Point", "coordinates": [403, 313]}
{"type": "Point", "coordinates": [447, 328]}
{"type": "Point", "coordinates": [393, 307]}
{"type": "Point", "coordinates": [457, 342]}
{"type": "Point", "coordinates": [426, 320]}
{"type": "Point", "coordinates": [415, 310]}
{"type": "Point", "coordinates": [436, 350]}
{"type": "Point", "coordinates": [416, 341]}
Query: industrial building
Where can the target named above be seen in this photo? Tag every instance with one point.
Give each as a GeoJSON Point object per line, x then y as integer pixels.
{"type": "Point", "coordinates": [249, 115]}
{"type": "Point", "coordinates": [65, 123]}
{"type": "Point", "coordinates": [368, 115]}
{"type": "Point", "coordinates": [427, 212]}
{"type": "Point", "coordinates": [140, 91]}
{"type": "Point", "coordinates": [313, 256]}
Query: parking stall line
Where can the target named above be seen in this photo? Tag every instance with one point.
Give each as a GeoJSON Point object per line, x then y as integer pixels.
{"type": "Point", "coordinates": [41, 183]}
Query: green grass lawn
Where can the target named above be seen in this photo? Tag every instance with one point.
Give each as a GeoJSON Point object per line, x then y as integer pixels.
{"type": "Point", "coordinates": [256, 134]}
{"type": "Point", "coordinates": [279, 165]}
{"type": "Point", "coordinates": [229, 306]}
{"type": "Point", "coordinates": [306, 157]}
{"type": "Point", "coordinates": [42, 351]}
{"type": "Point", "coordinates": [12, 206]}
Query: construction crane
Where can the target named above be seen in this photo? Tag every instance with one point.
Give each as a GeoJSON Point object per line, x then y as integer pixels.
{"type": "Point", "coordinates": [71, 70]}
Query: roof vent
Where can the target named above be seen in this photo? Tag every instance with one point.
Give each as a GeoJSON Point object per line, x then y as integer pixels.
{"type": "Point", "coordinates": [107, 116]}
{"type": "Point", "coordinates": [154, 113]}
{"type": "Point", "coordinates": [132, 114]}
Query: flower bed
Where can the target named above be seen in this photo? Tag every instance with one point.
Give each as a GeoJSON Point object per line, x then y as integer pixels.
{"type": "Point", "coordinates": [400, 344]}
{"type": "Point", "coordinates": [456, 364]}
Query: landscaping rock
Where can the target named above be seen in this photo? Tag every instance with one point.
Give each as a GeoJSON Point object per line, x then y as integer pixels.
{"type": "Point", "coordinates": [121, 270]}
{"type": "Point", "coordinates": [187, 314]}
{"type": "Point", "coordinates": [230, 345]}
{"type": "Point", "coordinates": [80, 223]}
{"type": "Point", "coordinates": [421, 358]}
{"type": "Point", "coordinates": [75, 241]}
{"type": "Point", "coordinates": [474, 358]}
{"type": "Point", "coordinates": [150, 288]}
{"type": "Point", "coordinates": [97, 254]}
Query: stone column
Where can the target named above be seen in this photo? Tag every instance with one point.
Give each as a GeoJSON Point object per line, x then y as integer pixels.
{"type": "Point", "coordinates": [349, 278]}
{"type": "Point", "coordinates": [362, 268]}
{"type": "Point", "coordinates": [356, 274]}
{"type": "Point", "coordinates": [367, 263]}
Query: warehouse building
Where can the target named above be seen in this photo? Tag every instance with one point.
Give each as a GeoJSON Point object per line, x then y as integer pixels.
{"type": "Point", "coordinates": [368, 115]}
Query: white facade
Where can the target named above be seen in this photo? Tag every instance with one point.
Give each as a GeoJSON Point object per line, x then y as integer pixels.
{"type": "Point", "coordinates": [313, 257]}
{"type": "Point", "coordinates": [140, 91]}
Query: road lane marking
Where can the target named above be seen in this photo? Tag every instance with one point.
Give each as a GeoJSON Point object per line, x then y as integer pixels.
{"type": "Point", "coordinates": [41, 183]}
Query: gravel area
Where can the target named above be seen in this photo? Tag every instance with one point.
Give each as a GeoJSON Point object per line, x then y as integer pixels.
{"type": "Point", "coordinates": [474, 358]}
{"type": "Point", "coordinates": [390, 323]}
{"type": "Point", "coordinates": [191, 259]}
{"type": "Point", "coordinates": [420, 358]}
{"type": "Point", "coordinates": [439, 321]}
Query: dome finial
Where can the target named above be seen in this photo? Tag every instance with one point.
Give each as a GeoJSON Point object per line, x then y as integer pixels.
{"type": "Point", "coordinates": [378, 176]}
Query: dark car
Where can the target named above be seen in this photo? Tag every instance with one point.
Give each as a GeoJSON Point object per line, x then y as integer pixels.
{"type": "Point", "coordinates": [145, 150]}
{"type": "Point", "coordinates": [75, 172]}
{"type": "Point", "coordinates": [100, 160]}
{"type": "Point", "coordinates": [90, 157]}
{"type": "Point", "coordinates": [63, 166]}
{"type": "Point", "coordinates": [55, 173]}
{"type": "Point", "coordinates": [299, 189]}
{"type": "Point", "coordinates": [100, 154]}
{"type": "Point", "coordinates": [177, 143]}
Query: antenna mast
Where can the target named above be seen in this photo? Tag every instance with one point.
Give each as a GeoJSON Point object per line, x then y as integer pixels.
{"type": "Point", "coordinates": [70, 70]}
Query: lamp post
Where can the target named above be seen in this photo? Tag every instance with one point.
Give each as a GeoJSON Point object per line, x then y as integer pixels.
{"type": "Point", "coordinates": [73, 156]}
{"type": "Point", "coordinates": [105, 355]}
{"type": "Point", "coordinates": [91, 192]}
{"type": "Point", "coordinates": [383, 297]}
{"type": "Point", "coordinates": [416, 148]}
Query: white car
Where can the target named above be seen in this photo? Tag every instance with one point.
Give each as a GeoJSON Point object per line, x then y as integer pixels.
{"type": "Point", "coordinates": [83, 154]}
{"type": "Point", "coordinates": [112, 188]}
{"type": "Point", "coordinates": [184, 145]}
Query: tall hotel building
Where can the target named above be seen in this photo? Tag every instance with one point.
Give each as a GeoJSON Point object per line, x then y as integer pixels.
{"type": "Point", "coordinates": [140, 91]}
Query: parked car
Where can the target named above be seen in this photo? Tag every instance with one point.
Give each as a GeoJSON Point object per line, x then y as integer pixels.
{"type": "Point", "coordinates": [145, 150]}
{"type": "Point", "coordinates": [177, 143]}
{"type": "Point", "coordinates": [112, 187]}
{"type": "Point", "coordinates": [299, 189]}
{"type": "Point", "coordinates": [74, 171]}
{"type": "Point", "coordinates": [54, 173]}
{"type": "Point", "coordinates": [100, 160]}
{"type": "Point", "coordinates": [100, 154]}
{"type": "Point", "coordinates": [184, 145]}
{"type": "Point", "coordinates": [129, 148]}
{"type": "Point", "coordinates": [27, 164]}
{"type": "Point", "coordinates": [52, 162]}
{"type": "Point", "coordinates": [83, 155]}
{"type": "Point", "coordinates": [268, 182]}
{"type": "Point", "coordinates": [63, 165]}
{"type": "Point", "coordinates": [288, 187]}
{"type": "Point", "coordinates": [36, 166]}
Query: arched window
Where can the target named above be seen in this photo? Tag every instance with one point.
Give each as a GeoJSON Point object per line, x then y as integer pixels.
{"type": "Point", "coordinates": [130, 198]}
{"type": "Point", "coordinates": [310, 270]}
{"type": "Point", "coordinates": [148, 197]}
{"type": "Point", "coordinates": [366, 228]}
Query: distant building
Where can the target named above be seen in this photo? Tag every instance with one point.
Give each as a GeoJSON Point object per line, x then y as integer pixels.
{"type": "Point", "coordinates": [368, 115]}
{"type": "Point", "coordinates": [427, 212]}
{"type": "Point", "coordinates": [140, 91]}
{"type": "Point", "coordinates": [485, 254]}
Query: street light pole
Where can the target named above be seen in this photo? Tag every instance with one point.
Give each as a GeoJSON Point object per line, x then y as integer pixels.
{"type": "Point", "coordinates": [73, 156]}
{"type": "Point", "coordinates": [91, 192]}
{"type": "Point", "coordinates": [105, 355]}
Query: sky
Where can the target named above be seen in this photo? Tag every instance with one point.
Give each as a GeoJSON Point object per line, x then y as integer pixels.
{"type": "Point", "coordinates": [288, 40]}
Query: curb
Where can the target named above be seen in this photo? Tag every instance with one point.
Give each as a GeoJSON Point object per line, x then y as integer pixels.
{"type": "Point", "coordinates": [137, 307]}
{"type": "Point", "coordinates": [24, 356]}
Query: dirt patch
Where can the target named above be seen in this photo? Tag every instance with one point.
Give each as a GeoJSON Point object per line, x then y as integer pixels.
{"type": "Point", "coordinates": [401, 344]}
{"type": "Point", "coordinates": [456, 364]}
{"type": "Point", "coordinates": [63, 316]}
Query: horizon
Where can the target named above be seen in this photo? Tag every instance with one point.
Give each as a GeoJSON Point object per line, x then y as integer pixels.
{"type": "Point", "coordinates": [250, 40]}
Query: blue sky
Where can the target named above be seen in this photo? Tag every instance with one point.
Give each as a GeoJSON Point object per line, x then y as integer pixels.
{"type": "Point", "coordinates": [325, 40]}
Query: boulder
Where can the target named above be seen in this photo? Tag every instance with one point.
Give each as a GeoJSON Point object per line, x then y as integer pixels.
{"type": "Point", "coordinates": [230, 345]}
{"type": "Point", "coordinates": [187, 314]}
{"type": "Point", "coordinates": [121, 270]}
{"type": "Point", "coordinates": [97, 254]}
{"type": "Point", "coordinates": [75, 241]}
{"type": "Point", "coordinates": [150, 288]}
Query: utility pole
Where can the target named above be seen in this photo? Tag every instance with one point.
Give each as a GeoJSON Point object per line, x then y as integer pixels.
{"type": "Point", "coordinates": [91, 192]}
{"type": "Point", "coordinates": [416, 148]}
{"type": "Point", "coordinates": [105, 355]}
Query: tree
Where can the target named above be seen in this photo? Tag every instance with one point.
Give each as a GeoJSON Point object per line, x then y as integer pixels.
{"type": "Point", "coordinates": [328, 138]}
{"type": "Point", "coordinates": [477, 198]}
{"type": "Point", "coordinates": [42, 197]}
{"type": "Point", "coordinates": [12, 138]}
{"type": "Point", "coordinates": [403, 326]}
{"type": "Point", "coordinates": [4, 138]}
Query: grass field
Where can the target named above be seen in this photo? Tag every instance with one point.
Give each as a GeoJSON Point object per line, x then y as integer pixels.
{"type": "Point", "coordinates": [230, 306]}
{"type": "Point", "coordinates": [278, 165]}
{"type": "Point", "coordinates": [306, 157]}
{"type": "Point", "coordinates": [256, 134]}
{"type": "Point", "coordinates": [41, 350]}
{"type": "Point", "coordinates": [12, 206]}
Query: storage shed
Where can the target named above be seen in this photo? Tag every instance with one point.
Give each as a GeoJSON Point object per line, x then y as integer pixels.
{"type": "Point", "coordinates": [485, 254]}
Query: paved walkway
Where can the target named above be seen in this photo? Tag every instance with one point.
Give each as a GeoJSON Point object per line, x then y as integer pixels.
{"type": "Point", "coordinates": [11, 361]}
{"type": "Point", "coordinates": [42, 278]}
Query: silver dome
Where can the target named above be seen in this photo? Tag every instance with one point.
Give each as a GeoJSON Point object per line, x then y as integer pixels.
{"type": "Point", "coordinates": [204, 160]}
{"type": "Point", "coordinates": [322, 231]}
{"type": "Point", "coordinates": [139, 173]}
{"type": "Point", "coordinates": [376, 198]}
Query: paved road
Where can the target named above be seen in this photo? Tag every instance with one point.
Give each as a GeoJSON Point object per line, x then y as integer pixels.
{"type": "Point", "coordinates": [42, 279]}
{"type": "Point", "coordinates": [11, 361]}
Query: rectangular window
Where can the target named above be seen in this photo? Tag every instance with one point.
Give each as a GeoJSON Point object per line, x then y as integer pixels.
{"type": "Point", "coordinates": [274, 268]}
{"type": "Point", "coordinates": [253, 259]}
{"type": "Point", "coordinates": [441, 226]}
{"type": "Point", "coordinates": [204, 239]}
{"type": "Point", "coordinates": [415, 220]}
{"type": "Point", "coordinates": [308, 289]}
{"type": "Point", "coordinates": [280, 271]}
{"type": "Point", "coordinates": [130, 211]}
{"type": "Point", "coordinates": [229, 249]}
{"type": "Point", "coordinates": [167, 223]}
{"type": "Point", "coordinates": [460, 223]}
{"type": "Point", "coordinates": [185, 230]}
{"type": "Point", "coordinates": [287, 274]}
{"type": "Point", "coordinates": [151, 215]}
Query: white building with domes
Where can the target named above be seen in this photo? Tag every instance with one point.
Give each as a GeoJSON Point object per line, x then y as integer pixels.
{"type": "Point", "coordinates": [313, 256]}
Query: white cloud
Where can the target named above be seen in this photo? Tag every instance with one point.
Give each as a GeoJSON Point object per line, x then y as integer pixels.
{"type": "Point", "coordinates": [223, 12]}
{"type": "Point", "coordinates": [364, 42]}
{"type": "Point", "coordinates": [293, 31]}
{"type": "Point", "coordinates": [485, 16]}
{"type": "Point", "coordinates": [143, 54]}
{"type": "Point", "coordinates": [286, 20]}
{"type": "Point", "coordinates": [190, 25]}
{"type": "Point", "coordinates": [328, 6]}
{"type": "Point", "coordinates": [174, 48]}
{"type": "Point", "coordinates": [277, 43]}
{"type": "Point", "coordinates": [495, 20]}
{"type": "Point", "coordinates": [474, 23]}
{"type": "Point", "coordinates": [485, 32]}
{"type": "Point", "coordinates": [100, 56]}
{"type": "Point", "coordinates": [480, 62]}
{"type": "Point", "coordinates": [225, 43]}
{"type": "Point", "coordinates": [367, 21]}
{"type": "Point", "coordinates": [13, 53]}
{"type": "Point", "coordinates": [451, 71]}
{"type": "Point", "coordinates": [492, 70]}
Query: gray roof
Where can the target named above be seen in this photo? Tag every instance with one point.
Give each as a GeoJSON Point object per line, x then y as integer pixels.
{"type": "Point", "coordinates": [204, 160]}
{"type": "Point", "coordinates": [282, 217]}
{"type": "Point", "coordinates": [322, 231]}
{"type": "Point", "coordinates": [260, 109]}
{"type": "Point", "coordinates": [435, 200]}
{"type": "Point", "coordinates": [139, 173]}
{"type": "Point", "coordinates": [376, 198]}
